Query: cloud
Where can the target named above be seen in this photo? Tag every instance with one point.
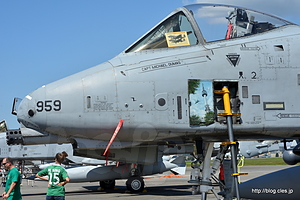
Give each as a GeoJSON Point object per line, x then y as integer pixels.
{"type": "Point", "coordinates": [285, 9]}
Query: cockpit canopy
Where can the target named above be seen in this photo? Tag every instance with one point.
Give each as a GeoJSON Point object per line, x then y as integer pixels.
{"type": "Point", "coordinates": [215, 22]}
{"type": "Point", "coordinates": [219, 22]}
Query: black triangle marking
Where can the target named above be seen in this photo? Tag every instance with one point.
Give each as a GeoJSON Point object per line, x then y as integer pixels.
{"type": "Point", "coordinates": [233, 59]}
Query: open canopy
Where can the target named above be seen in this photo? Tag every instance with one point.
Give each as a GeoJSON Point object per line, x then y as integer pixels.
{"type": "Point", "coordinates": [215, 22]}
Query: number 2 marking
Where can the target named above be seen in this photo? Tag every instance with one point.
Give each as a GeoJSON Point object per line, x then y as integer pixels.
{"type": "Point", "coordinates": [253, 75]}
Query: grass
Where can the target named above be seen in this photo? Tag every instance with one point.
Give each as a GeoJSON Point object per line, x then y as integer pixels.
{"type": "Point", "coordinates": [264, 161]}
{"type": "Point", "coordinates": [257, 161]}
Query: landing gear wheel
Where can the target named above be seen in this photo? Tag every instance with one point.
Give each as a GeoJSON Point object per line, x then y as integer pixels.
{"type": "Point", "coordinates": [135, 184]}
{"type": "Point", "coordinates": [107, 184]}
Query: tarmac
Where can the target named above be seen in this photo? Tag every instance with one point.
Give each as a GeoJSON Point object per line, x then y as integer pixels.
{"type": "Point", "coordinates": [159, 186]}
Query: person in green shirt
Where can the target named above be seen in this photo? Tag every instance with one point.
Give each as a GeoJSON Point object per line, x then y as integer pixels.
{"type": "Point", "coordinates": [57, 178]}
{"type": "Point", "coordinates": [13, 181]}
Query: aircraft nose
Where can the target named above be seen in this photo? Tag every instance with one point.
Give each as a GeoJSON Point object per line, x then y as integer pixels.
{"type": "Point", "coordinates": [26, 112]}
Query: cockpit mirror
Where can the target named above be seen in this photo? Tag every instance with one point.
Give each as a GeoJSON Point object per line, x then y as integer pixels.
{"type": "Point", "coordinates": [15, 107]}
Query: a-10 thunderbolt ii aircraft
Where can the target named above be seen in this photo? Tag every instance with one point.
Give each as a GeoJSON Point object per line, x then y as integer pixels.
{"type": "Point", "coordinates": [158, 92]}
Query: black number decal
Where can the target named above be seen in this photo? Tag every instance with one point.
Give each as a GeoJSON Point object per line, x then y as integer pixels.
{"type": "Point", "coordinates": [40, 106]}
{"type": "Point", "coordinates": [57, 105]}
{"type": "Point", "coordinates": [253, 75]}
{"type": "Point", "coordinates": [48, 105]}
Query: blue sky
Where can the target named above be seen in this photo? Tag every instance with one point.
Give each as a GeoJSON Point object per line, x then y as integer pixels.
{"type": "Point", "coordinates": [43, 41]}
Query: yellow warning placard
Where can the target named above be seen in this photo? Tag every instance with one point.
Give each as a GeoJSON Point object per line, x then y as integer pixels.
{"type": "Point", "coordinates": [176, 39]}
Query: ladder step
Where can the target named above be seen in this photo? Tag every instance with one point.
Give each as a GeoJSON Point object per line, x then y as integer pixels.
{"type": "Point", "coordinates": [227, 143]}
{"type": "Point", "coordinates": [239, 174]}
{"type": "Point", "coordinates": [226, 114]}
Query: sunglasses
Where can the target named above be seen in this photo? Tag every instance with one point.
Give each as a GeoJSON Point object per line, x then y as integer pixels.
{"type": "Point", "coordinates": [3, 163]}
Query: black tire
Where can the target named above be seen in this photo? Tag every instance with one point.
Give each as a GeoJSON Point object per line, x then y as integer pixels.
{"type": "Point", "coordinates": [107, 184]}
{"type": "Point", "coordinates": [135, 184]}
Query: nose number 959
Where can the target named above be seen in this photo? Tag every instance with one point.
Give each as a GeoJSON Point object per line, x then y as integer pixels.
{"type": "Point", "coordinates": [48, 105]}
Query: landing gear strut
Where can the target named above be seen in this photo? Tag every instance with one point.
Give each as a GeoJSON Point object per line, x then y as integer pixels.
{"type": "Point", "coordinates": [207, 172]}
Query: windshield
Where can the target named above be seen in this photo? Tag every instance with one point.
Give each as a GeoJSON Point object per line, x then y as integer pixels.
{"type": "Point", "coordinates": [173, 32]}
{"type": "Point", "coordinates": [219, 22]}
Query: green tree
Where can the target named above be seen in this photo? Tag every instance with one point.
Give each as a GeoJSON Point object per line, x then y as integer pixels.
{"type": "Point", "coordinates": [209, 118]}
{"type": "Point", "coordinates": [195, 120]}
{"type": "Point", "coordinates": [193, 85]}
